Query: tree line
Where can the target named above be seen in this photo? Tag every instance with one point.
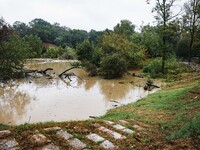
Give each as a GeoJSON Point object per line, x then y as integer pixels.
{"type": "Point", "coordinates": [108, 53]}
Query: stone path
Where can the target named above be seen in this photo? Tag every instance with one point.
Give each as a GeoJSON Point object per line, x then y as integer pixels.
{"type": "Point", "coordinates": [105, 138]}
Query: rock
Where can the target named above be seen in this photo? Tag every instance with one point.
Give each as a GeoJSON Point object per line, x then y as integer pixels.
{"type": "Point", "coordinates": [94, 137]}
{"type": "Point", "coordinates": [107, 145]}
{"type": "Point", "coordinates": [76, 143]}
{"type": "Point", "coordinates": [4, 133]}
{"type": "Point", "coordinates": [64, 134]}
{"type": "Point", "coordinates": [38, 139]}
{"type": "Point", "coordinates": [8, 144]}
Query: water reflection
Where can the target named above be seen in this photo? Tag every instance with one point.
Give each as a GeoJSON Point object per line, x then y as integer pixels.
{"type": "Point", "coordinates": [43, 99]}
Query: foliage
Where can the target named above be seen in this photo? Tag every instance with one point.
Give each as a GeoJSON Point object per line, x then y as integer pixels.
{"type": "Point", "coordinates": [115, 43]}
{"type": "Point", "coordinates": [173, 67]}
{"type": "Point", "coordinates": [35, 45]}
{"type": "Point", "coordinates": [191, 22]}
{"type": "Point", "coordinates": [91, 68]}
{"type": "Point", "coordinates": [125, 28]}
{"type": "Point", "coordinates": [53, 52]}
{"type": "Point", "coordinates": [150, 38]}
{"type": "Point", "coordinates": [13, 51]}
{"type": "Point", "coordinates": [113, 66]}
{"type": "Point", "coordinates": [136, 56]}
{"type": "Point", "coordinates": [163, 8]}
{"type": "Point", "coordinates": [68, 53]}
{"type": "Point", "coordinates": [153, 67]}
{"type": "Point", "coordinates": [85, 50]}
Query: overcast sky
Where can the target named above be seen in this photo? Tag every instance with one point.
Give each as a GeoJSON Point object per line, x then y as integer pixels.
{"type": "Point", "coordinates": [79, 14]}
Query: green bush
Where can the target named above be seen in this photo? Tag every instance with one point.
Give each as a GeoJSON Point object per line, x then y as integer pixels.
{"type": "Point", "coordinates": [12, 53]}
{"type": "Point", "coordinates": [53, 52]}
{"type": "Point", "coordinates": [113, 66]}
{"type": "Point", "coordinates": [68, 54]}
{"type": "Point", "coordinates": [85, 50]}
{"type": "Point", "coordinates": [154, 67]}
{"type": "Point", "coordinates": [90, 68]}
{"type": "Point", "coordinates": [172, 67]}
{"type": "Point", "coordinates": [136, 58]}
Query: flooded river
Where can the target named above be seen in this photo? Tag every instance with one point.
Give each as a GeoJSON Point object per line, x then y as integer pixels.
{"type": "Point", "coordinates": [42, 99]}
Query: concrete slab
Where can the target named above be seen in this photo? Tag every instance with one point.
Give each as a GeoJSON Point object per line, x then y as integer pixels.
{"type": "Point", "coordinates": [76, 143]}
{"type": "Point", "coordinates": [112, 133]}
{"type": "Point", "coordinates": [8, 144]}
{"type": "Point", "coordinates": [4, 133]}
{"type": "Point", "coordinates": [107, 145]}
{"type": "Point", "coordinates": [52, 129]}
{"type": "Point", "coordinates": [119, 127]}
{"type": "Point", "coordinates": [64, 134]}
{"type": "Point", "coordinates": [96, 138]}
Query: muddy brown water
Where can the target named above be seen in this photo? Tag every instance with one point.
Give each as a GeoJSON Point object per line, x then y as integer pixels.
{"type": "Point", "coordinates": [41, 99]}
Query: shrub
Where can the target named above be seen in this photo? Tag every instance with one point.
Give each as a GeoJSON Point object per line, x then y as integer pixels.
{"type": "Point", "coordinates": [53, 52]}
{"type": "Point", "coordinates": [90, 68]}
{"type": "Point", "coordinates": [12, 54]}
{"type": "Point", "coordinates": [69, 54]}
{"type": "Point", "coordinates": [113, 66]}
{"type": "Point", "coordinates": [85, 50]}
{"type": "Point", "coordinates": [154, 67]}
{"type": "Point", "coordinates": [136, 57]}
{"type": "Point", "coordinates": [172, 67]}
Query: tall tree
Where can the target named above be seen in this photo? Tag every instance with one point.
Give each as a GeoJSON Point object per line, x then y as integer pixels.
{"type": "Point", "coordinates": [163, 8]}
{"type": "Point", "coordinates": [191, 20]}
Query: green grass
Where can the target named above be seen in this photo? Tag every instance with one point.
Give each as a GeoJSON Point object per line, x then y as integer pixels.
{"type": "Point", "coordinates": [117, 115]}
{"type": "Point", "coordinates": [175, 103]}
{"type": "Point", "coordinates": [190, 129]}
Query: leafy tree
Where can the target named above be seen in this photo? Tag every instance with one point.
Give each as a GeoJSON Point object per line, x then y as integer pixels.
{"type": "Point", "coordinates": [13, 51]}
{"type": "Point", "coordinates": [85, 50]}
{"type": "Point", "coordinates": [43, 29]}
{"type": "Point", "coordinates": [21, 28]}
{"type": "Point", "coordinates": [94, 36]}
{"type": "Point", "coordinates": [164, 15]}
{"type": "Point", "coordinates": [35, 45]}
{"type": "Point", "coordinates": [191, 21]}
{"type": "Point", "coordinates": [150, 38]}
{"type": "Point", "coordinates": [115, 43]}
{"type": "Point", "coordinates": [125, 28]}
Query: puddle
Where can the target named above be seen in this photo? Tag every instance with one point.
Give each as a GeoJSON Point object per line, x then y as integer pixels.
{"type": "Point", "coordinates": [42, 99]}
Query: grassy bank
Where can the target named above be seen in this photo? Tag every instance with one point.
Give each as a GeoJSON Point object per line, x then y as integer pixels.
{"type": "Point", "coordinates": [175, 110]}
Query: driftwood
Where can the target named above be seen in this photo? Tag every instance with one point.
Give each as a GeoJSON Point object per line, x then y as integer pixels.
{"type": "Point", "coordinates": [93, 117]}
{"type": "Point", "coordinates": [139, 76]}
{"type": "Point", "coordinates": [134, 75]}
{"type": "Point", "coordinates": [150, 86]}
{"type": "Point", "coordinates": [63, 73]}
{"type": "Point", "coordinates": [43, 72]}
